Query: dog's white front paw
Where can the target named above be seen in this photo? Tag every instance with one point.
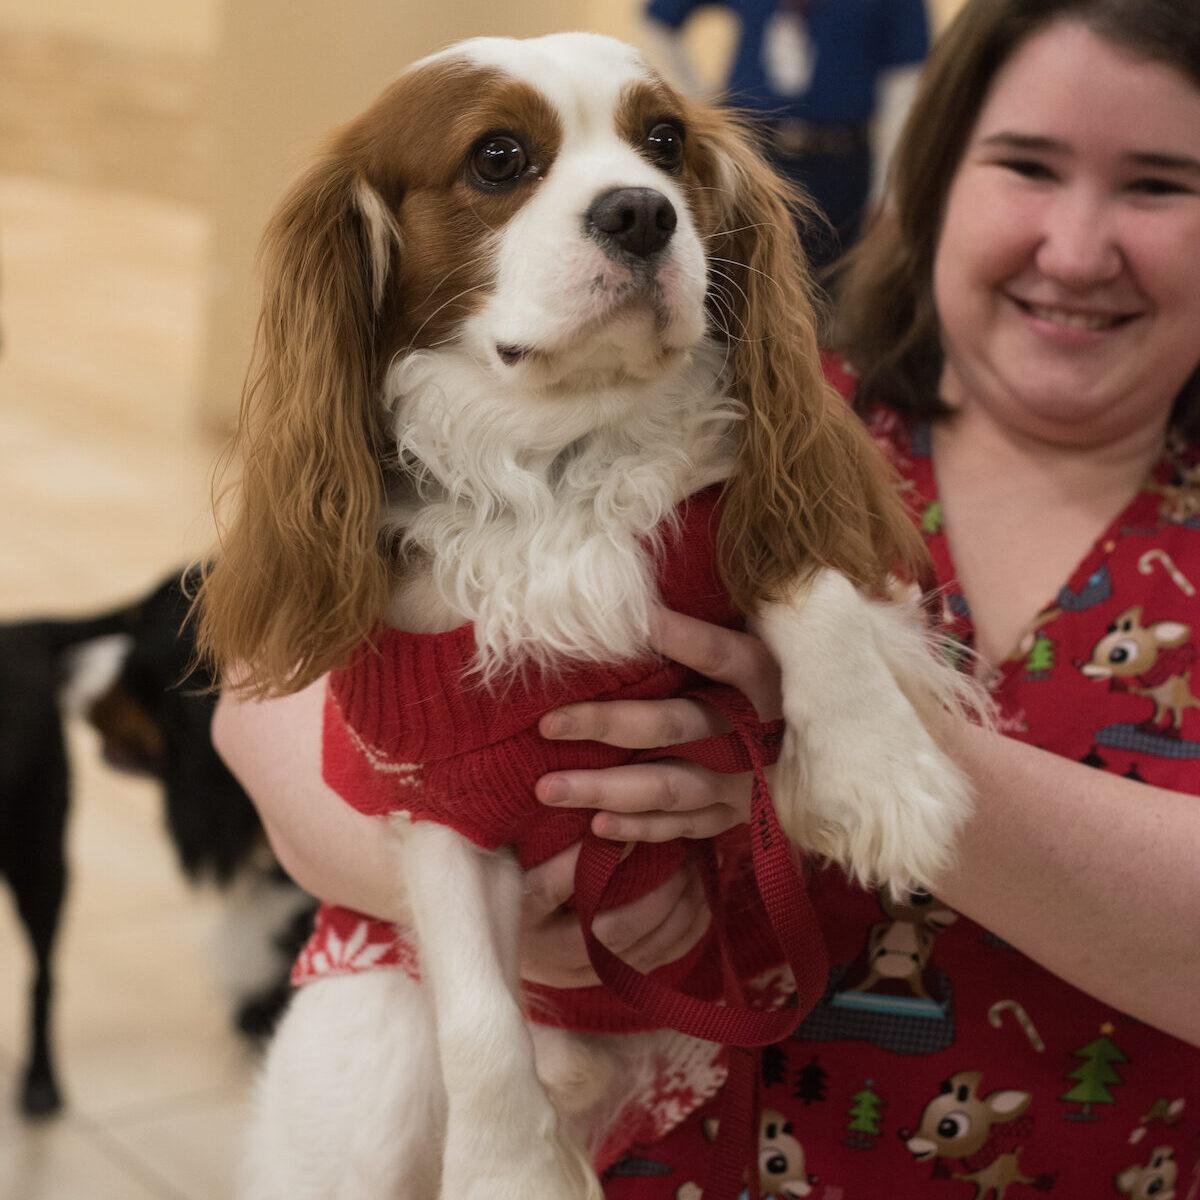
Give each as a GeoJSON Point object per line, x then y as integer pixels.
{"type": "Point", "coordinates": [884, 802]}
{"type": "Point", "coordinates": [861, 778]}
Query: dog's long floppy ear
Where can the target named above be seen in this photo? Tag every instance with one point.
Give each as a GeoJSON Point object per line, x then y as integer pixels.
{"type": "Point", "coordinates": [810, 488]}
{"type": "Point", "coordinates": [301, 576]}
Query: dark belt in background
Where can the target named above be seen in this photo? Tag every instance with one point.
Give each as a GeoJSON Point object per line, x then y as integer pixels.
{"type": "Point", "coordinates": [790, 138]}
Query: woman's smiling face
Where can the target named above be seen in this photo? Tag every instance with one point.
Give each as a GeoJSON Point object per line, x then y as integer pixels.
{"type": "Point", "coordinates": [1067, 275]}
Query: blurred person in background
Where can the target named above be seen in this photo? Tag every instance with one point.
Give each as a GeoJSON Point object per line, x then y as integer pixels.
{"type": "Point", "coordinates": [830, 82]}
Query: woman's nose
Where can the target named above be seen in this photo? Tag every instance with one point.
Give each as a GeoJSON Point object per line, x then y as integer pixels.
{"type": "Point", "coordinates": [1079, 245]}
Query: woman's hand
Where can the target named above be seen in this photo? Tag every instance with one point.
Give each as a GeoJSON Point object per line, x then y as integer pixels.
{"type": "Point", "coordinates": [671, 798]}
{"type": "Point", "coordinates": [648, 802]}
{"type": "Point", "coordinates": [656, 929]}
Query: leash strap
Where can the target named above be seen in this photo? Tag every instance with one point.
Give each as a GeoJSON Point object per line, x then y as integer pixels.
{"type": "Point", "coordinates": [729, 1021]}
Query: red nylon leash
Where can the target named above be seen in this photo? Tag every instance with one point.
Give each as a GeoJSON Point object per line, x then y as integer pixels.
{"type": "Point", "coordinates": [730, 1021]}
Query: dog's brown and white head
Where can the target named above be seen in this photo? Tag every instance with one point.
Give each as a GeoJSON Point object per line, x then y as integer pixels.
{"type": "Point", "coordinates": [547, 238]}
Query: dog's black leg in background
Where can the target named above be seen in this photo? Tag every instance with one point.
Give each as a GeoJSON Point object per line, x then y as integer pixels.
{"type": "Point", "coordinates": [34, 799]}
{"type": "Point", "coordinates": [39, 888]}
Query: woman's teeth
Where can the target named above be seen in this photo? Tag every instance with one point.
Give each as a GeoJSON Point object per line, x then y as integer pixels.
{"type": "Point", "coordinates": [1092, 322]}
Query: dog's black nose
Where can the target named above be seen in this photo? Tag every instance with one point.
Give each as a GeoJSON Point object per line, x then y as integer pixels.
{"type": "Point", "coordinates": [639, 221]}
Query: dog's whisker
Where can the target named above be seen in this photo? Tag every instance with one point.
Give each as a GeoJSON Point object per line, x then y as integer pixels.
{"type": "Point", "coordinates": [709, 237]}
{"type": "Point", "coordinates": [736, 287]}
{"type": "Point", "coordinates": [463, 266]}
{"type": "Point", "coordinates": [412, 342]}
{"type": "Point", "coordinates": [747, 267]}
{"type": "Point", "coordinates": [727, 313]}
{"type": "Point", "coordinates": [479, 217]}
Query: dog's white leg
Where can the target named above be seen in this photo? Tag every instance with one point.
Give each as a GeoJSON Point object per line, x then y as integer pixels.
{"type": "Point", "coordinates": [861, 778]}
{"type": "Point", "coordinates": [350, 1104]}
{"type": "Point", "coordinates": [504, 1140]}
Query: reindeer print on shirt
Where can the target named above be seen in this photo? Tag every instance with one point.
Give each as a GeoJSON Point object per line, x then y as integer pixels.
{"type": "Point", "coordinates": [976, 1138]}
{"type": "Point", "coordinates": [899, 947]}
{"type": "Point", "coordinates": [1154, 660]}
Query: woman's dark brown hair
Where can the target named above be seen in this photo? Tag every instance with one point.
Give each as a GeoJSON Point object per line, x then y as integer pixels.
{"type": "Point", "coordinates": [887, 325]}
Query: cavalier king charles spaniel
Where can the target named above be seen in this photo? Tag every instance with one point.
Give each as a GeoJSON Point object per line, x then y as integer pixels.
{"type": "Point", "coordinates": [537, 353]}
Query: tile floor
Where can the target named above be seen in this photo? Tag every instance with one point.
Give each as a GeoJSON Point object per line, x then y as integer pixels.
{"type": "Point", "coordinates": [104, 486]}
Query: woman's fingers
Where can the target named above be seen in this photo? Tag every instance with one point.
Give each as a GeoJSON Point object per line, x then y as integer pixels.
{"type": "Point", "coordinates": [683, 927]}
{"type": "Point", "coordinates": [666, 827]}
{"type": "Point", "coordinates": [553, 954]}
{"type": "Point", "coordinates": [552, 949]}
{"type": "Point", "coordinates": [655, 929]}
{"type": "Point", "coordinates": [725, 655]}
{"type": "Point", "coordinates": [633, 724]}
{"type": "Point", "coordinates": [661, 926]}
{"type": "Point", "coordinates": [652, 802]}
{"type": "Point", "coordinates": [668, 785]}
{"type": "Point", "coordinates": [622, 928]}
{"type": "Point", "coordinates": [549, 885]}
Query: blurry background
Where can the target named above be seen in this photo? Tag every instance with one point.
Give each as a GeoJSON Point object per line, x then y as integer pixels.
{"type": "Point", "coordinates": [142, 144]}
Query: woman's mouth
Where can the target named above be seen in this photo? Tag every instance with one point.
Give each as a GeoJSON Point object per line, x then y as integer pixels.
{"type": "Point", "coordinates": [1074, 318]}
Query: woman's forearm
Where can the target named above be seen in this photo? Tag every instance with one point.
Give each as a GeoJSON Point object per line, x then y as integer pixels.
{"type": "Point", "coordinates": [1094, 876]}
{"type": "Point", "coordinates": [273, 747]}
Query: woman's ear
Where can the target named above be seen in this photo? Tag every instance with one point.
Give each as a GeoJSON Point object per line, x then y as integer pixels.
{"type": "Point", "coordinates": [810, 488]}
{"type": "Point", "coordinates": [301, 576]}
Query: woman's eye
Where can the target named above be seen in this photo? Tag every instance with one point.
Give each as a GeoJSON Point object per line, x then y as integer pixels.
{"type": "Point", "coordinates": [1153, 186]}
{"type": "Point", "coordinates": [664, 143]}
{"type": "Point", "coordinates": [1029, 168]}
{"type": "Point", "coordinates": [499, 159]}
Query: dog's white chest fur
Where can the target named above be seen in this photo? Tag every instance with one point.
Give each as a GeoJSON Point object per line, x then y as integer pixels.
{"type": "Point", "coordinates": [535, 517]}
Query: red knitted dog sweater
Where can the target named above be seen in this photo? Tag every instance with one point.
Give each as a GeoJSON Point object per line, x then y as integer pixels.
{"type": "Point", "coordinates": [409, 728]}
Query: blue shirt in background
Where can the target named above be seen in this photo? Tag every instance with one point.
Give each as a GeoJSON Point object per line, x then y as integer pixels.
{"type": "Point", "coordinates": [853, 43]}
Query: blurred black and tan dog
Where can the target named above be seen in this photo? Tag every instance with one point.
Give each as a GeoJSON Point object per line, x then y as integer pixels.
{"type": "Point", "coordinates": [129, 673]}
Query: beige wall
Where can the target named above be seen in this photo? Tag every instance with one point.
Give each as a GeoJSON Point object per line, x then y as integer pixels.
{"type": "Point", "coordinates": [175, 26]}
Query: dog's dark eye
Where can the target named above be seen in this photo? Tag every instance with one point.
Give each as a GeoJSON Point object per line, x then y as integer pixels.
{"type": "Point", "coordinates": [499, 159]}
{"type": "Point", "coordinates": [664, 143]}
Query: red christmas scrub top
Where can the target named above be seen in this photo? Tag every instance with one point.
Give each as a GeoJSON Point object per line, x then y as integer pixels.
{"type": "Point", "coordinates": [941, 1062]}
